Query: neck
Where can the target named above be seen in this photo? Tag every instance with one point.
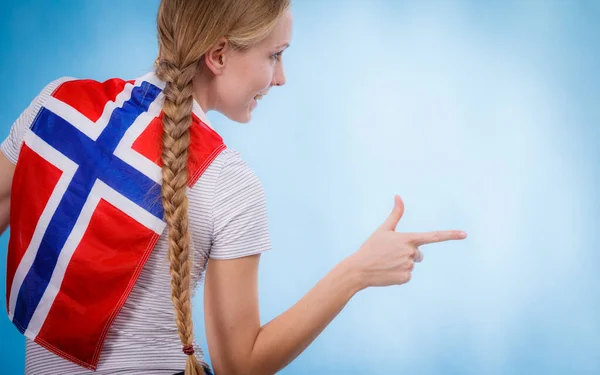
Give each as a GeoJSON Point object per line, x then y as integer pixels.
{"type": "Point", "coordinates": [202, 86]}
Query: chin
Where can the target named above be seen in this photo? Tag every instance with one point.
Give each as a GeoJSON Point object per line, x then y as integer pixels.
{"type": "Point", "coordinates": [244, 116]}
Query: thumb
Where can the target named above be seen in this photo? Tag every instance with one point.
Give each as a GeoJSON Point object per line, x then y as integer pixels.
{"type": "Point", "coordinates": [392, 220]}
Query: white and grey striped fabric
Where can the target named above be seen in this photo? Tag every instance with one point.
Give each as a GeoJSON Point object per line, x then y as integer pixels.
{"type": "Point", "coordinates": [228, 219]}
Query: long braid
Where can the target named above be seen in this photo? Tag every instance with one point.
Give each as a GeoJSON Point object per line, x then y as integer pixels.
{"type": "Point", "coordinates": [177, 120]}
{"type": "Point", "coordinates": [187, 29]}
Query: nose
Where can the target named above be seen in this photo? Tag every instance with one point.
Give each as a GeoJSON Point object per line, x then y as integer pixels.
{"type": "Point", "coordinates": [278, 76]}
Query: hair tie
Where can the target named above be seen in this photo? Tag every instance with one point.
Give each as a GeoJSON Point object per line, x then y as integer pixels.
{"type": "Point", "coordinates": [188, 349]}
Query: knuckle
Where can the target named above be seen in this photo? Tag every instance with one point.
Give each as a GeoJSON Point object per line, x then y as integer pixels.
{"type": "Point", "coordinates": [403, 277]}
{"type": "Point", "coordinates": [408, 238]}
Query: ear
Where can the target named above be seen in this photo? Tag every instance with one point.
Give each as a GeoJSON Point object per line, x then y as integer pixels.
{"type": "Point", "coordinates": [216, 57]}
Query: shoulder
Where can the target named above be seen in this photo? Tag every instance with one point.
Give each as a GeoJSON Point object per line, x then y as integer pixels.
{"type": "Point", "coordinates": [46, 92]}
{"type": "Point", "coordinates": [91, 87]}
{"type": "Point", "coordinates": [235, 174]}
{"type": "Point", "coordinates": [12, 144]}
{"type": "Point", "coordinates": [228, 181]}
{"type": "Point", "coordinates": [79, 89]}
{"type": "Point", "coordinates": [238, 188]}
{"type": "Point", "coordinates": [66, 86]}
{"type": "Point", "coordinates": [239, 210]}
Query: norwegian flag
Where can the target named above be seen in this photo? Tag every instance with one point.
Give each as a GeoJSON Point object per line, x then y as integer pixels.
{"type": "Point", "coordinates": [86, 210]}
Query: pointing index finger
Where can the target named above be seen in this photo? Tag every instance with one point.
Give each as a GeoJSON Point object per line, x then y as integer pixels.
{"type": "Point", "coordinates": [419, 239]}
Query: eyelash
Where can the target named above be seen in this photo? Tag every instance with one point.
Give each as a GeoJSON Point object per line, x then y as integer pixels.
{"type": "Point", "coordinates": [277, 56]}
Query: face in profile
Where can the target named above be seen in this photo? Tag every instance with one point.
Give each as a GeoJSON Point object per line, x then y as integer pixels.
{"type": "Point", "coordinates": [249, 75]}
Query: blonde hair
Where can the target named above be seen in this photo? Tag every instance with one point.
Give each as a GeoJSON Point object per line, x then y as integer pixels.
{"type": "Point", "coordinates": [187, 29]}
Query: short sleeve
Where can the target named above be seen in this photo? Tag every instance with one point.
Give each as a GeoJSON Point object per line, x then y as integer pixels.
{"type": "Point", "coordinates": [12, 143]}
{"type": "Point", "coordinates": [239, 212]}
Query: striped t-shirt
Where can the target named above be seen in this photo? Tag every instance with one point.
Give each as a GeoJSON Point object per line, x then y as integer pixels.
{"type": "Point", "coordinates": [228, 219]}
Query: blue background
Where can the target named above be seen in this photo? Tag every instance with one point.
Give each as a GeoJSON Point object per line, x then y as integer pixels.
{"type": "Point", "coordinates": [482, 116]}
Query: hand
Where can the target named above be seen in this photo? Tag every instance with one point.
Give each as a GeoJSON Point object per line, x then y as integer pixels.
{"type": "Point", "coordinates": [388, 257]}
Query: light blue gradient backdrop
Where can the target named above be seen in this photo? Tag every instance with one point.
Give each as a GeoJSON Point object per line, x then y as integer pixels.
{"type": "Point", "coordinates": [483, 116]}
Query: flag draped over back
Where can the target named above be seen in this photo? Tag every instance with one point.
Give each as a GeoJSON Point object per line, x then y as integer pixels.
{"type": "Point", "coordinates": [86, 208]}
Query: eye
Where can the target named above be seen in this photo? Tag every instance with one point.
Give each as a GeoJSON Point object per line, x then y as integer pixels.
{"type": "Point", "coordinates": [277, 56]}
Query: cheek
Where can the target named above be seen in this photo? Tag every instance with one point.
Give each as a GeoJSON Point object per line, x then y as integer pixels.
{"type": "Point", "coordinates": [260, 77]}
{"type": "Point", "coordinates": [243, 83]}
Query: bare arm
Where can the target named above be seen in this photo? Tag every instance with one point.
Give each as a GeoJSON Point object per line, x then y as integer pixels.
{"type": "Point", "coordinates": [283, 339]}
{"type": "Point", "coordinates": [7, 169]}
{"type": "Point", "coordinates": [236, 341]}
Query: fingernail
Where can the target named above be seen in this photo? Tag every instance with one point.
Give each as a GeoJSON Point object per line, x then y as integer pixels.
{"type": "Point", "coordinates": [462, 235]}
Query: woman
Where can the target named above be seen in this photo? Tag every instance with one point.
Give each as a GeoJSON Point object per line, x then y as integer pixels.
{"type": "Point", "coordinates": [120, 191]}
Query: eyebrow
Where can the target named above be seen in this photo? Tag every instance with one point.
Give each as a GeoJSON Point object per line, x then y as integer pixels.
{"type": "Point", "coordinates": [286, 45]}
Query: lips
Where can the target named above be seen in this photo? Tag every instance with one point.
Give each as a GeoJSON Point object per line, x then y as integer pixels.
{"type": "Point", "coordinates": [260, 95]}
